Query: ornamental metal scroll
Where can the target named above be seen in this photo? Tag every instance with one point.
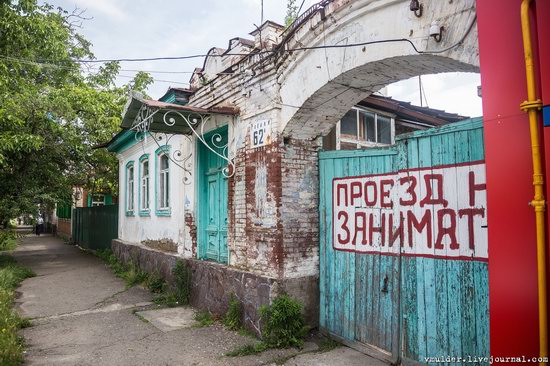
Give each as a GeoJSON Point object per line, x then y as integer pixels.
{"type": "Point", "coordinates": [196, 123]}
{"type": "Point", "coordinates": [177, 156]}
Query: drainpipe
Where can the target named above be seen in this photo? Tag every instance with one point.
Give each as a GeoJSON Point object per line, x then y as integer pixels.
{"type": "Point", "coordinates": [531, 106]}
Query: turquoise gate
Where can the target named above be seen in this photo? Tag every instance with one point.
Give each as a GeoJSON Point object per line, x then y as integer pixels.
{"type": "Point", "coordinates": [403, 247]}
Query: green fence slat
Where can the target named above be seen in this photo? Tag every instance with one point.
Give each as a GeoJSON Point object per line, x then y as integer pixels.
{"type": "Point", "coordinates": [95, 227]}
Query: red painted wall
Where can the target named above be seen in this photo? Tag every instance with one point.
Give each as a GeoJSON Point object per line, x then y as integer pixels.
{"type": "Point", "coordinates": [513, 297]}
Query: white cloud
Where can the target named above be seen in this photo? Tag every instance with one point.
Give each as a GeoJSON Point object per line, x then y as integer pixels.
{"type": "Point", "coordinates": [106, 7]}
{"type": "Point", "coordinates": [453, 92]}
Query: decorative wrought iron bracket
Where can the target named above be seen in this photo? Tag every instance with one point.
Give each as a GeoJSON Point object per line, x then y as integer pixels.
{"type": "Point", "coordinates": [196, 123]}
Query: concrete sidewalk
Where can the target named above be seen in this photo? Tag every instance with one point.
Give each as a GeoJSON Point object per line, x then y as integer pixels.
{"type": "Point", "coordinates": [83, 315]}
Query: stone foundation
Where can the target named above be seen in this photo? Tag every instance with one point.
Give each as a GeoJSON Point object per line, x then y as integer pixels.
{"type": "Point", "coordinates": [213, 283]}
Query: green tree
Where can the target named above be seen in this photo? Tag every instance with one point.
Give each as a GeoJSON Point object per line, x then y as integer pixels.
{"type": "Point", "coordinates": [52, 113]}
{"type": "Point", "coordinates": [291, 12]}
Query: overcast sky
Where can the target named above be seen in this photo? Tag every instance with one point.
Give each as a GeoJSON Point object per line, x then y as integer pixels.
{"type": "Point", "coordinates": [145, 28]}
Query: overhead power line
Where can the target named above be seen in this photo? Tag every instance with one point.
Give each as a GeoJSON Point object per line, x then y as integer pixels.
{"type": "Point", "coordinates": [281, 49]}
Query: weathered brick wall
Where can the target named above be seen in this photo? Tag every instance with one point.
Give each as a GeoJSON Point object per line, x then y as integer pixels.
{"type": "Point", "coordinates": [273, 198]}
{"type": "Point", "coordinates": [300, 207]}
{"type": "Point", "coordinates": [254, 211]}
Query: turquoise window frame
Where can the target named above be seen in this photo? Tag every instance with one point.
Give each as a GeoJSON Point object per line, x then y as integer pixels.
{"type": "Point", "coordinates": [144, 212]}
{"type": "Point", "coordinates": [129, 165]}
{"type": "Point", "coordinates": [165, 211]}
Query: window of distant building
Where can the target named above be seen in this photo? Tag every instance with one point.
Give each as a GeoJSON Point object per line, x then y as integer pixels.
{"type": "Point", "coordinates": [365, 128]}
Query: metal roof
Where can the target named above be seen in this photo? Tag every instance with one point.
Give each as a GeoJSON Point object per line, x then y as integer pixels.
{"type": "Point", "coordinates": [137, 108]}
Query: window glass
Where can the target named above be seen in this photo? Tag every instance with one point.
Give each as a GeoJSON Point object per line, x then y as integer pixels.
{"type": "Point", "coordinates": [145, 168]}
{"type": "Point", "coordinates": [164, 182]}
{"type": "Point", "coordinates": [348, 124]}
{"type": "Point", "coordinates": [162, 190]}
{"type": "Point", "coordinates": [366, 123]}
{"type": "Point", "coordinates": [130, 188]}
{"type": "Point", "coordinates": [98, 200]}
{"type": "Point", "coordinates": [163, 162]}
{"type": "Point", "coordinates": [167, 202]}
{"type": "Point", "coordinates": [145, 185]}
{"type": "Point", "coordinates": [384, 130]}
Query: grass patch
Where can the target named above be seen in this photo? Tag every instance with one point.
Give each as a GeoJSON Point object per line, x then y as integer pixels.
{"type": "Point", "coordinates": [283, 326]}
{"type": "Point", "coordinates": [8, 240]}
{"type": "Point", "coordinates": [204, 319]}
{"type": "Point", "coordinates": [156, 284]}
{"type": "Point", "coordinates": [182, 282]}
{"type": "Point", "coordinates": [11, 345]}
{"type": "Point", "coordinates": [283, 323]}
{"type": "Point", "coordinates": [246, 333]}
{"type": "Point", "coordinates": [232, 319]}
{"type": "Point", "coordinates": [166, 299]}
{"type": "Point", "coordinates": [177, 294]}
{"type": "Point", "coordinates": [328, 344]}
{"type": "Point", "coordinates": [248, 349]}
{"type": "Point", "coordinates": [129, 272]}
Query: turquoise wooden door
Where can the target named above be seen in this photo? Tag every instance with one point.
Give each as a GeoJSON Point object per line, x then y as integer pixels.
{"type": "Point", "coordinates": [403, 246]}
{"type": "Point", "coordinates": [213, 199]}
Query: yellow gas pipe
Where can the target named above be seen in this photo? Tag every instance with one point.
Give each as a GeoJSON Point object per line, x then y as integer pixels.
{"type": "Point", "coordinates": [531, 106]}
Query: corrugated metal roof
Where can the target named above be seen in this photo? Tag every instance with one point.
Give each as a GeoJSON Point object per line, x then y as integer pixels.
{"type": "Point", "coordinates": [406, 110]}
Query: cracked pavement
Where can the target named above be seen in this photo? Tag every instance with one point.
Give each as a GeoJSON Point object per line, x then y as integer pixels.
{"type": "Point", "coordinates": [82, 314]}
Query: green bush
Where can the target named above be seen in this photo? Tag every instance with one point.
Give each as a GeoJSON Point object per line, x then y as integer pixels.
{"type": "Point", "coordinates": [134, 275]}
{"type": "Point", "coordinates": [156, 284]}
{"type": "Point", "coordinates": [11, 346]}
{"type": "Point", "coordinates": [8, 240]}
{"type": "Point", "coordinates": [283, 323]}
{"type": "Point", "coordinates": [232, 319]}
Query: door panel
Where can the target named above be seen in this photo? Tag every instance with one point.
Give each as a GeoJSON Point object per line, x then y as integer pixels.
{"type": "Point", "coordinates": [213, 200]}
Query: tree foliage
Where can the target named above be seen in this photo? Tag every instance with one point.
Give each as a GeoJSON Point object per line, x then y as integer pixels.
{"type": "Point", "coordinates": [52, 112]}
{"type": "Point", "coordinates": [291, 12]}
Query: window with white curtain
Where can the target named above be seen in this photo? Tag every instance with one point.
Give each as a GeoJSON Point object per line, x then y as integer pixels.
{"type": "Point", "coordinates": [164, 182]}
{"type": "Point", "coordinates": [130, 188]}
{"type": "Point", "coordinates": [145, 184]}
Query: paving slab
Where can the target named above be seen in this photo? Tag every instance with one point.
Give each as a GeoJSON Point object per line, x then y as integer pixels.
{"type": "Point", "coordinates": [170, 319]}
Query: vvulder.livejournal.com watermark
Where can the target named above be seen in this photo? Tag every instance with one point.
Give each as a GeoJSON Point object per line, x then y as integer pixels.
{"type": "Point", "coordinates": [484, 359]}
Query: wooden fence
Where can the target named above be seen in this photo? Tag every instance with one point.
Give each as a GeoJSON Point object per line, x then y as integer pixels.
{"type": "Point", "coordinates": [95, 227]}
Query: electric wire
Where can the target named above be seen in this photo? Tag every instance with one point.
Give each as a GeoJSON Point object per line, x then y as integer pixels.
{"type": "Point", "coordinates": [270, 52]}
{"type": "Point", "coordinates": [290, 50]}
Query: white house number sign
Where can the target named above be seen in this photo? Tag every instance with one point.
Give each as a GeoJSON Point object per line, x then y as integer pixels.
{"type": "Point", "coordinates": [260, 133]}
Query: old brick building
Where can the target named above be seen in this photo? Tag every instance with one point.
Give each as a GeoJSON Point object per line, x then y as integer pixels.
{"type": "Point", "coordinates": [246, 217]}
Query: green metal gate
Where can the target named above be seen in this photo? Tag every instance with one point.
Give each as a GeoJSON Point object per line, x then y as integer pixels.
{"type": "Point", "coordinates": [403, 252]}
{"type": "Point", "coordinates": [95, 227]}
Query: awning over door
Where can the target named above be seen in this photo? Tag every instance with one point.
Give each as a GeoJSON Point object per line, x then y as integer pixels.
{"type": "Point", "coordinates": [144, 115]}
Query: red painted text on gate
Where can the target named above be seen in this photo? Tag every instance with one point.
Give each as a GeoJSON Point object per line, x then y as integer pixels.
{"type": "Point", "coordinates": [432, 212]}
